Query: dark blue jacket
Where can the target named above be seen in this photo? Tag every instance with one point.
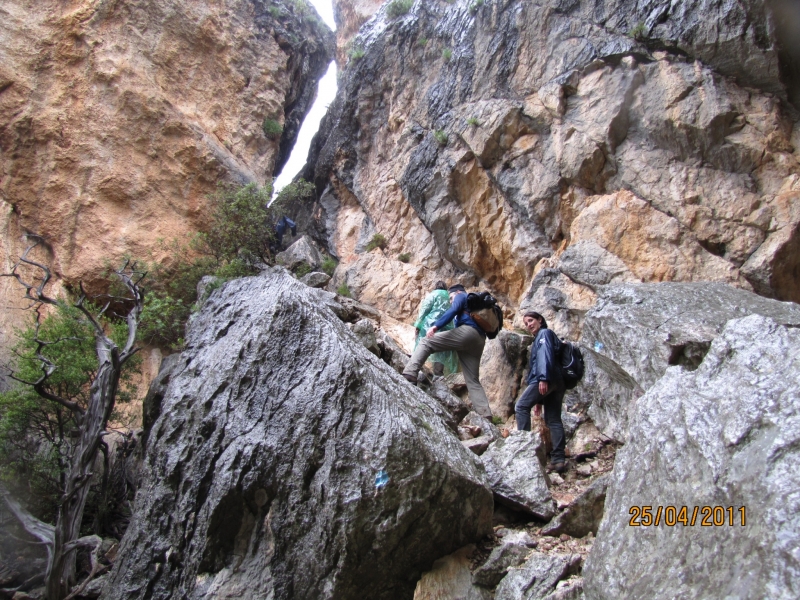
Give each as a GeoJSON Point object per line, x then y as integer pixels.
{"type": "Point", "coordinates": [545, 364]}
{"type": "Point", "coordinates": [458, 309]}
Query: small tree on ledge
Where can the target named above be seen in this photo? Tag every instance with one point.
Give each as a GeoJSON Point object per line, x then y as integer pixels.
{"type": "Point", "coordinates": [90, 417]}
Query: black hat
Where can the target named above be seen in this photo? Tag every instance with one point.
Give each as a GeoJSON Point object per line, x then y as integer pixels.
{"type": "Point", "coordinates": [456, 288]}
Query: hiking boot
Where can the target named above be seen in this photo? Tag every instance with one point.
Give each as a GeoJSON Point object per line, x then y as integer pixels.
{"type": "Point", "coordinates": [411, 379]}
{"type": "Point", "coordinates": [438, 369]}
{"type": "Point", "coordinates": [558, 467]}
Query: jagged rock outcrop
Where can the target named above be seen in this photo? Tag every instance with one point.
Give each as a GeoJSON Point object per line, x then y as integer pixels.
{"type": "Point", "coordinates": [302, 252]}
{"type": "Point", "coordinates": [606, 394]}
{"type": "Point", "coordinates": [538, 577]}
{"type": "Point", "coordinates": [486, 139]}
{"type": "Point", "coordinates": [290, 462]}
{"type": "Point", "coordinates": [584, 514]}
{"type": "Point", "coordinates": [645, 328]}
{"type": "Point", "coordinates": [503, 361]}
{"type": "Point", "coordinates": [118, 118]}
{"type": "Point", "coordinates": [725, 435]}
{"type": "Point", "coordinates": [451, 579]}
{"type": "Point", "coordinates": [512, 551]}
{"type": "Point", "coordinates": [515, 467]}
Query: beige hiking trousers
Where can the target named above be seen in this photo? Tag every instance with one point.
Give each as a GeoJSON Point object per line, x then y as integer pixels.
{"type": "Point", "coordinates": [468, 343]}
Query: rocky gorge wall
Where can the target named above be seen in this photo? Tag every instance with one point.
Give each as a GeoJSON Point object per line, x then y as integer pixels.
{"type": "Point", "coordinates": [629, 169]}
{"type": "Point", "coordinates": [117, 119]}
{"type": "Point", "coordinates": [544, 148]}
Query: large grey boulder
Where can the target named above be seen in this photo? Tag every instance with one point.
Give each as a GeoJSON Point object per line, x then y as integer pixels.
{"type": "Point", "coordinates": [606, 394]}
{"type": "Point", "coordinates": [588, 263]}
{"type": "Point", "coordinates": [151, 405]}
{"type": "Point", "coordinates": [538, 577]}
{"type": "Point", "coordinates": [515, 466]}
{"type": "Point", "coordinates": [502, 363]}
{"type": "Point", "coordinates": [316, 279]}
{"type": "Point", "coordinates": [290, 462]}
{"type": "Point", "coordinates": [647, 327]}
{"type": "Point", "coordinates": [726, 435]}
{"type": "Point", "coordinates": [303, 251]}
{"type": "Point", "coordinates": [454, 407]}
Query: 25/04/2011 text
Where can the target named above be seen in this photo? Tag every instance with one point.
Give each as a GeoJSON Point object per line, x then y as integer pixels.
{"type": "Point", "coordinates": [645, 516]}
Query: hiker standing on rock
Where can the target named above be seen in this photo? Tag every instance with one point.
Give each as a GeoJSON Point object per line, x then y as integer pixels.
{"type": "Point", "coordinates": [545, 386]}
{"type": "Point", "coordinates": [467, 339]}
{"type": "Point", "coordinates": [434, 306]}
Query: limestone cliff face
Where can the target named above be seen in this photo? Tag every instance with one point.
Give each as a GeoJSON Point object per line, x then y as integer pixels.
{"type": "Point", "coordinates": [349, 16]}
{"type": "Point", "coordinates": [531, 147]}
{"type": "Point", "coordinates": [118, 118]}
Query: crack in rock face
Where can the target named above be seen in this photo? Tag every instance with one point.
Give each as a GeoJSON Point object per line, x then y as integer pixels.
{"type": "Point", "coordinates": [290, 462]}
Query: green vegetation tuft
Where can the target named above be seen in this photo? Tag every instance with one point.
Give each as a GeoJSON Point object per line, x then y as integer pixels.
{"type": "Point", "coordinates": [497, 420]}
{"type": "Point", "coordinates": [638, 31]}
{"type": "Point", "coordinates": [377, 241]}
{"type": "Point", "coordinates": [441, 137]}
{"type": "Point", "coordinates": [241, 239]}
{"type": "Point", "coordinates": [301, 9]}
{"type": "Point", "coordinates": [303, 269]}
{"type": "Point", "coordinates": [404, 257]}
{"type": "Point", "coordinates": [473, 122]}
{"type": "Point", "coordinates": [422, 41]}
{"type": "Point", "coordinates": [447, 54]}
{"type": "Point", "coordinates": [397, 8]}
{"type": "Point", "coordinates": [475, 5]}
{"type": "Point", "coordinates": [343, 290]}
{"type": "Point", "coordinates": [328, 265]}
{"type": "Point", "coordinates": [356, 53]}
{"type": "Point", "coordinates": [272, 129]}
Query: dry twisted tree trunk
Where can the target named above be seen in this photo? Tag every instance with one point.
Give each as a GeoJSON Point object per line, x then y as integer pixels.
{"type": "Point", "coordinates": [91, 420]}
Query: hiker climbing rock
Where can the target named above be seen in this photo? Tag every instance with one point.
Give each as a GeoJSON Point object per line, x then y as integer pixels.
{"type": "Point", "coordinates": [467, 340]}
{"type": "Point", "coordinates": [434, 306]}
{"type": "Point", "coordinates": [284, 224]}
{"type": "Point", "coordinates": [545, 386]}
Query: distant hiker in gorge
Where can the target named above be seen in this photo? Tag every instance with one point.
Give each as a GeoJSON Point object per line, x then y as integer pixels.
{"type": "Point", "coordinates": [282, 225]}
{"type": "Point", "coordinates": [467, 340]}
{"type": "Point", "coordinates": [434, 306]}
{"type": "Point", "coordinates": [545, 386]}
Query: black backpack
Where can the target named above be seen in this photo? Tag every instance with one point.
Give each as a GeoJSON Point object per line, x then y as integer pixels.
{"type": "Point", "coordinates": [572, 366]}
{"type": "Point", "coordinates": [485, 312]}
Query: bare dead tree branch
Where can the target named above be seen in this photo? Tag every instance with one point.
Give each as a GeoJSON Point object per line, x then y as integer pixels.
{"type": "Point", "coordinates": [39, 529]}
{"type": "Point", "coordinates": [33, 292]}
{"type": "Point", "coordinates": [91, 421]}
{"type": "Point", "coordinates": [97, 567]}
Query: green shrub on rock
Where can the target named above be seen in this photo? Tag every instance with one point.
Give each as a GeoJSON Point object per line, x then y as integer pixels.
{"type": "Point", "coordinates": [328, 265]}
{"type": "Point", "coordinates": [397, 8]}
{"type": "Point", "coordinates": [272, 129]}
{"type": "Point", "coordinates": [241, 238]}
{"type": "Point", "coordinates": [377, 241]}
